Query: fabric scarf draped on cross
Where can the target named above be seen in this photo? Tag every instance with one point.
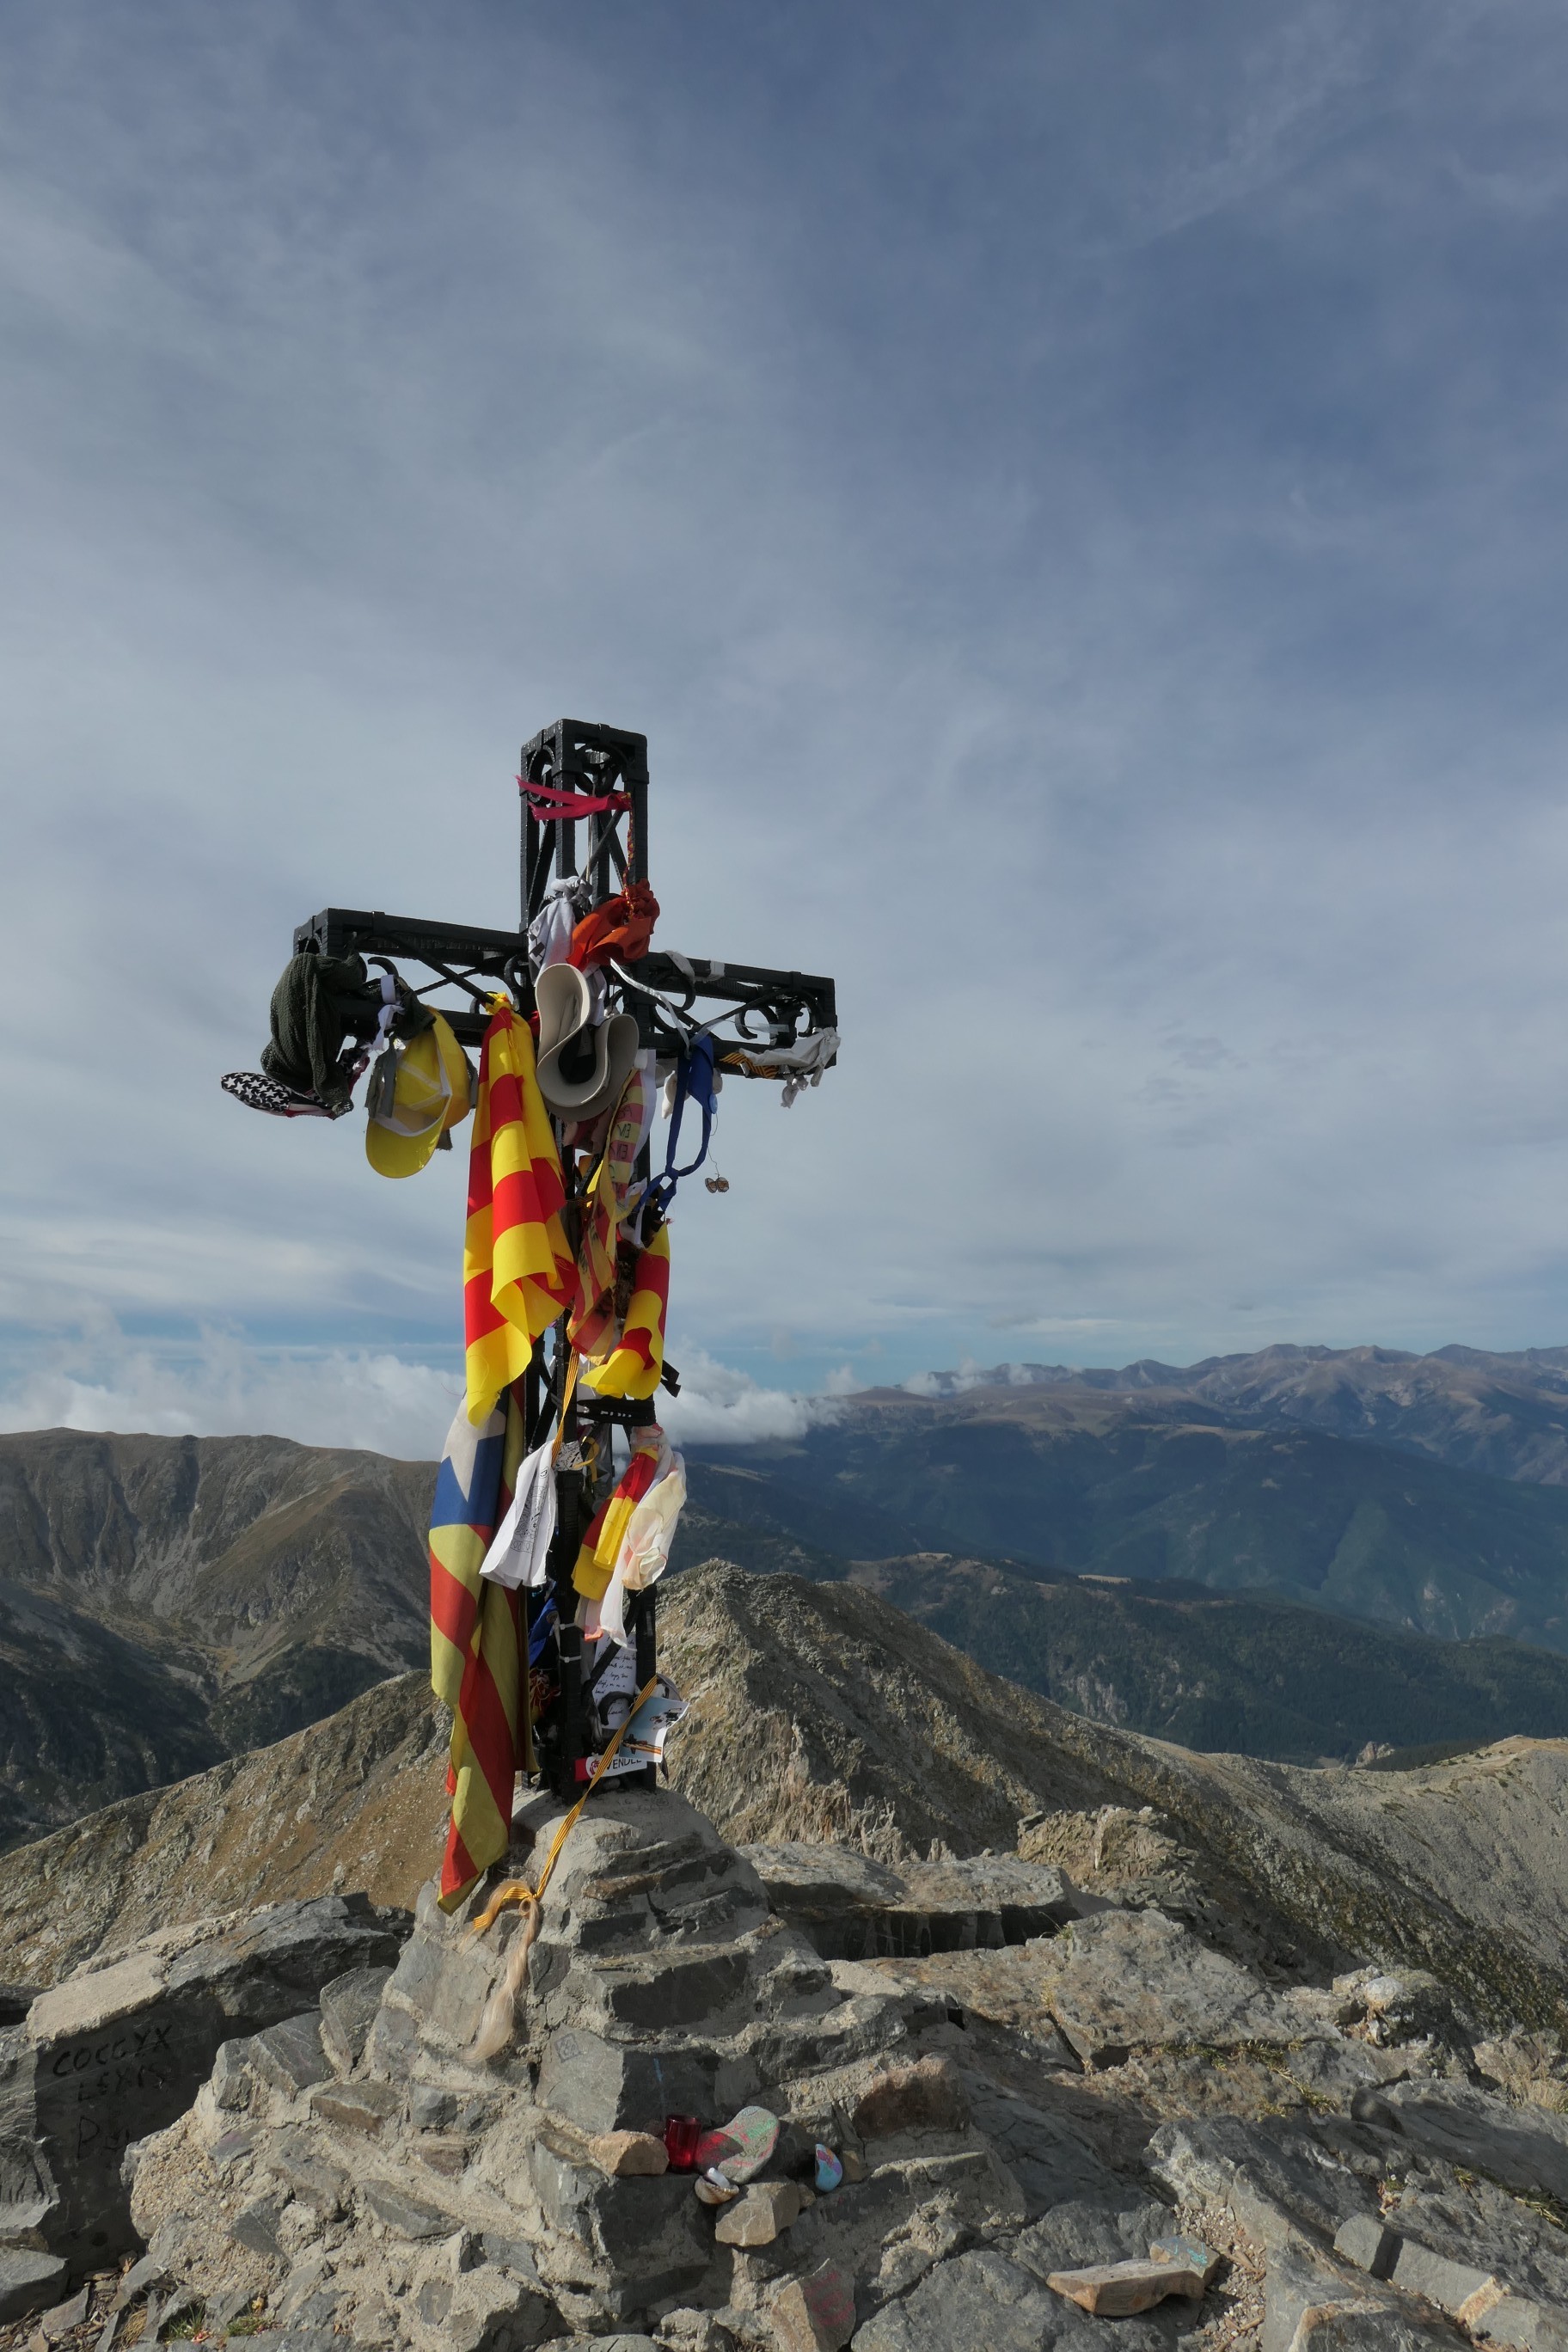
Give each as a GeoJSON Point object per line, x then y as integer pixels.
{"type": "Point", "coordinates": [474, 1643]}
{"type": "Point", "coordinates": [602, 1541]}
{"type": "Point", "coordinates": [518, 1275]}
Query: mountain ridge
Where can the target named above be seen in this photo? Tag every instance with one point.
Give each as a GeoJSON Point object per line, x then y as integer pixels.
{"type": "Point", "coordinates": [1502, 1413]}
{"type": "Point", "coordinates": [823, 1714]}
{"type": "Point", "coordinates": [165, 1602]}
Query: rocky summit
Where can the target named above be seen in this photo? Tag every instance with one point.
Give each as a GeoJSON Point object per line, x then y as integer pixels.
{"type": "Point", "coordinates": [1030, 2032]}
{"type": "Point", "coordinates": [998, 2112]}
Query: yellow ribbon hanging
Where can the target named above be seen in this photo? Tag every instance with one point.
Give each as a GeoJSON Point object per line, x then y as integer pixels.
{"type": "Point", "coordinates": [518, 1890]}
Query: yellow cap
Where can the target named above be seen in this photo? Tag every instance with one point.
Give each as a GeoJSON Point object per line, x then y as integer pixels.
{"type": "Point", "coordinates": [430, 1094]}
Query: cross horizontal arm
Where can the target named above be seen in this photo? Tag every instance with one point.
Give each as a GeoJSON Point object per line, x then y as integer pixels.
{"type": "Point", "coordinates": [766, 1007]}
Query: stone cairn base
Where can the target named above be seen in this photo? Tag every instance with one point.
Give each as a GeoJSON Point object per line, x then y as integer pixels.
{"type": "Point", "coordinates": [355, 2171]}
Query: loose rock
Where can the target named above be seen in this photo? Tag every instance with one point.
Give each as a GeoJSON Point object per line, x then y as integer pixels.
{"type": "Point", "coordinates": [1116, 2290]}
{"type": "Point", "coordinates": [629, 2154]}
{"type": "Point", "coordinates": [759, 2214]}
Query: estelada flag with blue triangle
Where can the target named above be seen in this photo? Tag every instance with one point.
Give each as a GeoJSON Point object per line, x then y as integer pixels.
{"type": "Point", "coordinates": [474, 1643]}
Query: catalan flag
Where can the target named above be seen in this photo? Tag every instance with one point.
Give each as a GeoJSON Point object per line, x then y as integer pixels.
{"type": "Point", "coordinates": [633, 1367]}
{"type": "Point", "coordinates": [474, 1641]}
{"type": "Point", "coordinates": [602, 1543]}
{"type": "Point", "coordinates": [518, 1273]}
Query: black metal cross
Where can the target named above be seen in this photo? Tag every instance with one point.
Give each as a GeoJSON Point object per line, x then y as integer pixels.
{"type": "Point", "coordinates": [762, 1011]}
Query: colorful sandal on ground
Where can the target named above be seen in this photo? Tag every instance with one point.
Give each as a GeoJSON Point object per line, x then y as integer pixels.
{"type": "Point", "coordinates": [741, 2148]}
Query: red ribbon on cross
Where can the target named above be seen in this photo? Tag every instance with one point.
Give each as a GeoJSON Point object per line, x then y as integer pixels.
{"type": "Point", "coordinates": [551, 805]}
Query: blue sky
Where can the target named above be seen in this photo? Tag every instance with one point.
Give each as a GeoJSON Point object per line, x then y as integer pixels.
{"type": "Point", "coordinates": [1075, 499]}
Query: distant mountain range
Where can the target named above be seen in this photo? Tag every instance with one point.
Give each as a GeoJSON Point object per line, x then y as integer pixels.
{"type": "Point", "coordinates": [1422, 1493]}
{"type": "Point", "coordinates": [1307, 1551]}
{"type": "Point", "coordinates": [1506, 1414]}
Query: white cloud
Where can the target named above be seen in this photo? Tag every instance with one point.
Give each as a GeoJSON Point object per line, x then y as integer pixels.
{"type": "Point", "coordinates": [226, 1388]}
{"type": "Point", "coordinates": [719, 1406]}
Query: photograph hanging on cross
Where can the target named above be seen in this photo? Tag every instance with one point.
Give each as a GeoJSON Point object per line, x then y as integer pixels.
{"type": "Point", "coordinates": [562, 1040]}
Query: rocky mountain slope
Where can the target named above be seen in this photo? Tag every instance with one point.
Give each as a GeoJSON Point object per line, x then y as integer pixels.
{"type": "Point", "coordinates": [819, 1712]}
{"type": "Point", "coordinates": [357, 1801]}
{"type": "Point", "coordinates": [165, 1602]}
{"type": "Point", "coordinates": [1253, 1675]}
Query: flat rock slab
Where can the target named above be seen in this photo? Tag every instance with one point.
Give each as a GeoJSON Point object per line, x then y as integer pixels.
{"type": "Point", "coordinates": [629, 2155]}
{"type": "Point", "coordinates": [1525, 2327]}
{"type": "Point", "coordinates": [1093, 2229]}
{"type": "Point", "coordinates": [348, 2012]}
{"type": "Point", "coordinates": [1134, 1979]}
{"type": "Point", "coordinates": [607, 2086]}
{"type": "Point", "coordinates": [404, 2215]}
{"type": "Point", "coordinates": [977, 2303]}
{"type": "Point", "coordinates": [1117, 2290]}
{"type": "Point", "coordinates": [357, 2106]}
{"type": "Point", "coordinates": [852, 1909]}
{"type": "Point", "coordinates": [289, 2055]}
{"type": "Point", "coordinates": [1047, 2158]}
{"type": "Point", "coordinates": [1368, 2242]}
{"type": "Point", "coordinates": [814, 2314]}
{"type": "Point", "coordinates": [1311, 2306]}
{"type": "Point", "coordinates": [1189, 2254]}
{"type": "Point", "coordinates": [1524, 2147]}
{"type": "Point", "coordinates": [65, 2316]}
{"type": "Point", "coordinates": [1274, 2178]}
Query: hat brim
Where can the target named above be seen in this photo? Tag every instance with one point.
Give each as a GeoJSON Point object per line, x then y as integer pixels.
{"type": "Point", "coordinates": [392, 1154]}
{"type": "Point", "coordinates": [459, 1076]}
{"type": "Point", "coordinates": [621, 1042]}
{"type": "Point", "coordinates": [580, 1098]}
{"type": "Point", "coordinates": [564, 1002]}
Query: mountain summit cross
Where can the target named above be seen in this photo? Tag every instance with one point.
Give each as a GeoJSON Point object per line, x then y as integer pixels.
{"type": "Point", "coordinates": [780, 1024]}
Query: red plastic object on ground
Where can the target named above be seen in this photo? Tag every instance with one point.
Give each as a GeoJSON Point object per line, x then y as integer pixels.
{"type": "Point", "coordinates": [681, 2134]}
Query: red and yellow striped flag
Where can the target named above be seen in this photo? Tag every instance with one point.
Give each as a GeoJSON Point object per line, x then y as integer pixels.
{"type": "Point", "coordinates": [474, 1645]}
{"type": "Point", "coordinates": [518, 1273]}
{"type": "Point", "coordinates": [600, 1544]}
{"type": "Point", "coordinates": [633, 1369]}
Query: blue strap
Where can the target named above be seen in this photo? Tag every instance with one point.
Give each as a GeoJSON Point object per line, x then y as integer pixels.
{"type": "Point", "coordinates": [694, 1081]}
{"type": "Point", "coordinates": [539, 1632]}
